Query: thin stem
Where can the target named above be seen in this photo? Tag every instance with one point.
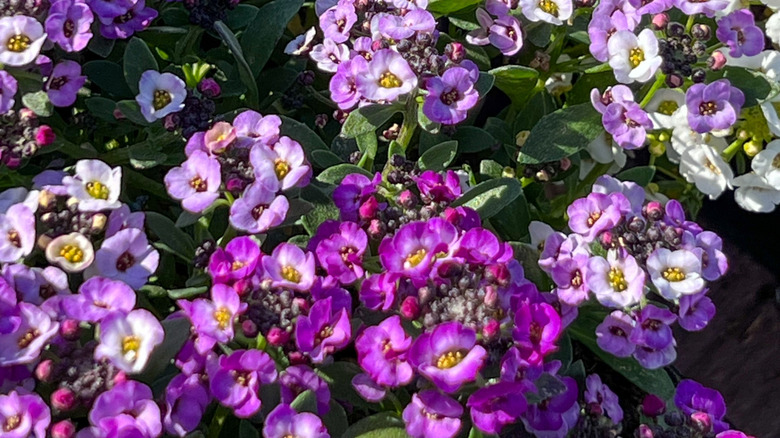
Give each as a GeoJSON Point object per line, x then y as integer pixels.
{"type": "Point", "coordinates": [215, 428]}
{"type": "Point", "coordinates": [689, 24]}
{"type": "Point", "coordinates": [396, 403]}
{"type": "Point", "coordinates": [410, 123]}
{"type": "Point", "coordinates": [319, 97]}
{"type": "Point", "coordinates": [659, 82]}
{"type": "Point", "coordinates": [732, 149]}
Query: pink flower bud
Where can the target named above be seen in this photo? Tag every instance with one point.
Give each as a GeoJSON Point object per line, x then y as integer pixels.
{"type": "Point", "coordinates": [702, 422]}
{"type": "Point", "coordinates": [491, 330]}
{"type": "Point", "coordinates": [594, 409]}
{"type": "Point", "coordinates": [120, 377]}
{"type": "Point", "coordinates": [70, 330]}
{"type": "Point", "coordinates": [491, 295]}
{"type": "Point", "coordinates": [498, 274]}
{"type": "Point", "coordinates": [717, 61]}
{"type": "Point", "coordinates": [565, 164]}
{"type": "Point", "coordinates": [654, 210]}
{"type": "Point", "coordinates": [660, 21]}
{"type": "Point", "coordinates": [296, 358]}
{"type": "Point", "coordinates": [407, 199]}
{"type": "Point", "coordinates": [26, 114]}
{"type": "Point", "coordinates": [242, 287]}
{"type": "Point", "coordinates": [645, 431]}
{"type": "Point", "coordinates": [235, 185]}
{"type": "Point", "coordinates": [63, 429]}
{"type": "Point", "coordinates": [210, 88]}
{"type": "Point", "coordinates": [455, 52]}
{"type": "Point", "coordinates": [369, 209]}
{"type": "Point", "coordinates": [607, 239]}
{"type": "Point", "coordinates": [249, 328]}
{"type": "Point", "coordinates": [376, 229]}
{"type": "Point", "coordinates": [43, 370]}
{"type": "Point", "coordinates": [277, 337]}
{"type": "Point", "coordinates": [63, 399]}
{"type": "Point", "coordinates": [45, 136]}
{"type": "Point", "coordinates": [410, 308]}
{"type": "Point", "coordinates": [302, 304]}
{"type": "Point", "coordinates": [653, 406]}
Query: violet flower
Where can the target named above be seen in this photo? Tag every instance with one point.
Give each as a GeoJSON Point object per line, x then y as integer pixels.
{"type": "Point", "coordinates": [515, 366]}
{"type": "Point", "coordinates": [388, 77]}
{"type": "Point", "coordinates": [126, 256]}
{"type": "Point", "coordinates": [653, 327]}
{"type": "Point", "coordinates": [382, 350]}
{"type": "Point", "coordinates": [336, 23]}
{"type": "Point", "coordinates": [378, 291]}
{"type": "Point", "coordinates": [95, 185]}
{"type": "Point", "coordinates": [36, 285]}
{"type": "Point", "coordinates": [196, 182]}
{"type": "Point", "coordinates": [285, 159]}
{"type": "Point", "coordinates": [258, 209]}
{"type": "Point", "coordinates": [236, 381]}
{"type": "Point", "coordinates": [68, 24]}
{"type": "Point", "coordinates": [713, 106]}
{"type": "Point", "coordinates": [135, 19]}
{"type": "Point", "coordinates": [24, 331]}
{"type": "Point", "coordinates": [23, 415]}
{"type": "Point", "coordinates": [617, 282]}
{"type": "Point", "coordinates": [613, 334]}
{"type": "Point", "coordinates": [329, 55]}
{"type": "Point", "coordinates": [481, 247]}
{"type": "Point", "coordinates": [350, 194]}
{"type": "Point", "coordinates": [341, 253]}
{"type": "Point", "coordinates": [23, 38]}
{"type": "Point", "coordinates": [97, 298]}
{"type": "Point", "coordinates": [591, 215]}
{"type": "Point", "coordinates": [186, 400]}
{"type": "Point", "coordinates": [284, 422]}
{"type": "Point", "coordinates": [127, 403]}
{"type": "Point", "coordinates": [713, 262]}
{"type": "Point", "coordinates": [8, 88]}
{"type": "Point", "coordinates": [692, 397]}
{"type": "Point", "coordinates": [504, 33]}
{"type": "Point", "coordinates": [569, 275]}
{"type": "Point", "coordinates": [537, 328]}
{"type": "Point", "coordinates": [432, 414]}
{"type": "Point", "coordinates": [64, 83]}
{"type": "Point", "coordinates": [122, 218]}
{"type": "Point", "coordinates": [448, 355]}
{"type": "Point", "coordinates": [414, 249]}
{"type": "Point", "coordinates": [600, 394]}
{"type": "Point", "coordinates": [708, 7]}
{"type": "Point", "coordinates": [253, 128]}
{"type": "Point", "coordinates": [497, 405]}
{"type": "Point", "coordinates": [17, 229]}
{"type": "Point", "coordinates": [159, 94]}
{"type": "Point", "coordinates": [213, 319]}
{"type": "Point", "coordinates": [296, 379]}
{"type": "Point", "coordinates": [236, 261]}
{"type": "Point", "coordinates": [652, 358]}
{"type": "Point", "coordinates": [322, 331]}
{"type": "Point", "coordinates": [343, 85]}
{"type": "Point", "coordinates": [290, 267]}
{"type": "Point", "coordinates": [696, 311]}
{"type": "Point", "coordinates": [556, 415]}
{"type": "Point", "coordinates": [110, 8]}
{"type": "Point", "coordinates": [628, 123]}
{"type": "Point", "coordinates": [439, 187]}
{"type": "Point", "coordinates": [450, 96]}
{"type": "Point", "coordinates": [127, 340]}
{"type": "Point", "coordinates": [738, 30]}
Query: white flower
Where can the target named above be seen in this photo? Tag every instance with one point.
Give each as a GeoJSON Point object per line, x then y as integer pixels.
{"type": "Point", "coordinates": [301, 44]}
{"type": "Point", "coordinates": [551, 11]}
{"type": "Point", "coordinates": [96, 185]}
{"type": "Point", "coordinates": [767, 164]}
{"type": "Point", "coordinates": [773, 24]}
{"type": "Point", "coordinates": [683, 137]}
{"type": "Point", "coordinates": [128, 340]}
{"type": "Point", "coordinates": [539, 232]}
{"type": "Point", "coordinates": [72, 252]}
{"type": "Point", "coordinates": [329, 55]}
{"type": "Point", "coordinates": [603, 150]}
{"type": "Point", "coordinates": [664, 107]}
{"type": "Point", "coordinates": [675, 273]}
{"type": "Point", "coordinates": [633, 58]}
{"type": "Point", "coordinates": [160, 94]}
{"type": "Point", "coordinates": [703, 166]}
{"type": "Point", "coordinates": [754, 194]}
{"type": "Point", "coordinates": [766, 62]}
{"type": "Point", "coordinates": [21, 38]}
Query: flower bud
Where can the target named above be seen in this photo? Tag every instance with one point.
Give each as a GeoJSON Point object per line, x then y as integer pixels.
{"type": "Point", "coordinates": [235, 185]}
{"type": "Point", "coordinates": [701, 32]}
{"type": "Point", "coordinates": [716, 61]}
{"type": "Point", "coordinates": [455, 52]}
{"type": "Point", "coordinates": [118, 114]}
{"type": "Point", "coordinates": [674, 80]}
{"type": "Point", "coordinates": [210, 88]}
{"type": "Point", "coordinates": [497, 273]}
{"type": "Point", "coordinates": [296, 358]}
{"type": "Point", "coordinates": [410, 308]}
{"type": "Point", "coordinates": [653, 406]}
{"type": "Point", "coordinates": [249, 328]}
{"type": "Point", "coordinates": [321, 120]}
{"type": "Point", "coordinates": [120, 377]}
{"type": "Point", "coordinates": [63, 429]}
{"type": "Point", "coordinates": [301, 304]}
{"type": "Point", "coordinates": [565, 164]}
{"type": "Point", "coordinates": [654, 211]}
{"type": "Point", "coordinates": [26, 115]}
{"type": "Point", "coordinates": [702, 422]}
{"type": "Point", "coordinates": [594, 409]}
{"type": "Point", "coordinates": [491, 295]}
{"type": "Point", "coordinates": [644, 431]}
{"type": "Point", "coordinates": [660, 21]}
{"type": "Point", "coordinates": [407, 199]}
{"type": "Point", "coordinates": [369, 209]}
{"type": "Point", "coordinates": [242, 287]}
{"type": "Point", "coordinates": [491, 330]}
{"type": "Point", "coordinates": [63, 399]}
{"type": "Point", "coordinates": [99, 221]}
{"type": "Point", "coordinates": [70, 330]}
{"type": "Point", "coordinates": [45, 136]}
{"type": "Point", "coordinates": [376, 229]}
{"type": "Point", "coordinates": [43, 370]}
{"type": "Point", "coordinates": [751, 148]}
{"type": "Point", "coordinates": [277, 337]}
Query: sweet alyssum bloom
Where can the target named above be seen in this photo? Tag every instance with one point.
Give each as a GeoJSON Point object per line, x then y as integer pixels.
{"type": "Point", "coordinates": [126, 256]}
{"type": "Point", "coordinates": [497, 405]}
{"type": "Point", "coordinates": [616, 281]}
{"type": "Point", "coordinates": [24, 331]}
{"type": "Point", "coordinates": [127, 339]}
{"type": "Point", "coordinates": [738, 30]}
{"type": "Point", "coordinates": [64, 83]}
{"type": "Point", "coordinates": [290, 267]}
{"type": "Point", "coordinates": [634, 57]}
{"type": "Point", "coordinates": [753, 193]}
{"type": "Point", "coordinates": [23, 415]}
{"type": "Point", "coordinates": [663, 107]}
{"type": "Point", "coordinates": [550, 11]}
{"type": "Point", "coordinates": [135, 19]}
{"type": "Point", "coordinates": [237, 261]}
{"type": "Point", "coordinates": [296, 379]}
{"type": "Point", "coordinates": [414, 249]}
{"type": "Point", "coordinates": [285, 159]}
{"type": "Point", "coordinates": [653, 327]}
{"type": "Point", "coordinates": [612, 335]}
{"type": "Point", "coordinates": [258, 209]}
{"type": "Point", "coordinates": [708, 7]}
{"type": "Point", "coordinates": [556, 415]}
{"type": "Point", "coordinates": [713, 106]}
{"type": "Point", "coordinates": [213, 319]}
{"type": "Point", "coordinates": [537, 328]}
{"type": "Point", "coordinates": [388, 77]}
{"type": "Point", "coordinates": [196, 182]}
{"type": "Point", "coordinates": [341, 253]}
{"type": "Point", "coordinates": [160, 94]}
{"type": "Point", "coordinates": [22, 38]}
{"type": "Point", "coordinates": [323, 331]}
{"type": "Point", "coordinates": [8, 88]}
{"type": "Point", "coordinates": [336, 23]}
{"type": "Point", "coordinates": [343, 85]}
{"type": "Point", "coordinates": [284, 422]}
{"type": "Point", "coordinates": [95, 185]}
{"type": "Point", "coordinates": [675, 273]}
{"type": "Point", "coordinates": [17, 233]}
{"type": "Point", "coordinates": [696, 311]}
{"type": "Point", "coordinates": [97, 298]}
{"type": "Point", "coordinates": [691, 397]}
{"type": "Point", "coordinates": [504, 33]}
{"type": "Point", "coordinates": [329, 55]}
{"type": "Point", "coordinates": [450, 96]}
{"type": "Point", "coordinates": [432, 414]}
{"type": "Point", "coordinates": [301, 44]}
{"type": "Point", "coordinates": [68, 24]}
{"type": "Point", "coordinates": [72, 252]}
{"type": "Point", "coordinates": [382, 352]}
{"type": "Point", "coordinates": [767, 164]}
{"type": "Point", "coordinates": [593, 214]}
{"type": "Point", "coordinates": [628, 123]}
{"type": "Point", "coordinates": [236, 381]}
{"type": "Point", "coordinates": [599, 393]}
{"type": "Point", "coordinates": [186, 400]}
{"type": "Point", "coordinates": [35, 285]}
{"type": "Point", "coordinates": [123, 218]}
{"type": "Point", "coordinates": [127, 409]}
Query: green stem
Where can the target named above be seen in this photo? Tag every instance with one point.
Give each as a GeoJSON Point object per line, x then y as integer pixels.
{"type": "Point", "coordinates": [396, 403]}
{"type": "Point", "coordinates": [689, 23]}
{"type": "Point", "coordinates": [410, 123]}
{"type": "Point", "coordinates": [659, 82]}
{"type": "Point", "coordinates": [670, 174]}
{"type": "Point", "coordinates": [215, 428]}
{"type": "Point", "coordinates": [732, 149]}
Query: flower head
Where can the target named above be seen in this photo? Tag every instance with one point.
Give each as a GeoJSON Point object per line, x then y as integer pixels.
{"type": "Point", "coordinates": [675, 273]}
{"type": "Point", "coordinates": [323, 330]}
{"type": "Point", "coordinates": [550, 11]}
{"type": "Point", "coordinates": [258, 209]}
{"type": "Point", "coordinates": [128, 339]}
{"type": "Point", "coordinates": [738, 30]}
{"type": "Point", "coordinates": [237, 261]}
{"type": "Point", "coordinates": [68, 24]}
{"type": "Point", "coordinates": [497, 405]}
{"type": "Point", "coordinates": [135, 19]}
{"type": "Point", "coordinates": [450, 96]}
{"type": "Point", "coordinates": [186, 400]}
{"type": "Point", "coordinates": [388, 77]}
{"type": "Point", "coordinates": [22, 38]}
{"type": "Point", "coordinates": [612, 335]}
{"type": "Point", "coordinates": [72, 252]}
{"type": "Point", "coordinates": [299, 378]}
{"type": "Point", "coordinates": [160, 94]}
{"type": "Point", "coordinates": [236, 381]}
{"type": "Point", "coordinates": [97, 298]}
{"type": "Point", "coordinates": [343, 85]}
{"type": "Point", "coordinates": [284, 422]}
{"type": "Point", "coordinates": [24, 331]}
{"type": "Point", "coordinates": [96, 185]}
{"type": "Point", "coordinates": [593, 214]}
{"type": "Point", "coordinates": [23, 415]}
{"type": "Point", "coordinates": [382, 353]}
{"type": "Point", "coordinates": [632, 57]}
{"type": "Point", "coordinates": [17, 233]}
{"type": "Point", "coordinates": [64, 83]}
{"type": "Point", "coordinates": [692, 397]}
{"type": "Point", "coordinates": [713, 106]}
{"type": "Point", "coordinates": [290, 267]}
{"type": "Point", "coordinates": [126, 256]}
{"type": "Point", "coordinates": [128, 405]}
{"type": "Point", "coordinates": [341, 253]}
{"type": "Point", "coordinates": [599, 393]}
{"type": "Point", "coordinates": [432, 413]}
{"type": "Point", "coordinates": [537, 328]}
{"type": "Point", "coordinates": [414, 249]}
{"type": "Point", "coordinates": [285, 160]}
{"type": "Point", "coordinates": [196, 182]}
{"type": "Point", "coordinates": [616, 281]}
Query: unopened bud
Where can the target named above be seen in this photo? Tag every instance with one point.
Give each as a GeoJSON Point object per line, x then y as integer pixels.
{"type": "Point", "coordinates": [69, 329]}
{"type": "Point", "coordinates": [716, 61]}
{"type": "Point", "coordinates": [410, 308]}
{"type": "Point", "coordinates": [644, 431]}
{"type": "Point", "coordinates": [321, 120]}
{"type": "Point", "coordinates": [660, 21]}
{"type": "Point", "coordinates": [296, 358]}
{"type": "Point", "coordinates": [63, 399]}
{"type": "Point", "coordinates": [702, 422]}
{"type": "Point", "coordinates": [369, 209]}
{"type": "Point", "coordinates": [491, 330]}
{"type": "Point", "coordinates": [63, 429]}
{"type": "Point", "coordinates": [407, 199]}
{"type": "Point", "coordinates": [455, 52]}
{"type": "Point", "coordinates": [277, 337]}
{"type": "Point", "coordinates": [43, 370]}
{"type": "Point", "coordinates": [751, 148]}
{"type": "Point", "coordinates": [654, 211]}
{"type": "Point", "coordinates": [99, 221]}
{"type": "Point", "coordinates": [249, 328]}
{"type": "Point", "coordinates": [653, 406]}
{"type": "Point", "coordinates": [701, 32]}
{"type": "Point", "coordinates": [210, 88]}
{"type": "Point", "coordinates": [45, 136]}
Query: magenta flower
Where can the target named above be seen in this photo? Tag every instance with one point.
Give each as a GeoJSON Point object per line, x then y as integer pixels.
{"type": "Point", "coordinates": [616, 282]}
{"type": "Point", "coordinates": [196, 182]}
{"type": "Point", "coordinates": [322, 331]}
{"type": "Point", "coordinates": [481, 246]}
{"type": "Point", "coordinates": [569, 275]}
{"type": "Point", "coordinates": [290, 267]}
{"type": "Point", "coordinates": [432, 414]}
{"type": "Point", "coordinates": [23, 415]}
{"type": "Point", "coordinates": [593, 214]}
{"type": "Point", "coordinates": [600, 394]}
{"type": "Point", "coordinates": [127, 340]}
{"type": "Point", "coordinates": [439, 187]}
{"type": "Point", "coordinates": [378, 291]}
{"type": "Point", "coordinates": [692, 397]}
{"type": "Point", "coordinates": [68, 24]}
{"type": "Point", "coordinates": [285, 159]}
{"type": "Point", "coordinates": [258, 209]}
{"type": "Point", "coordinates": [738, 30]}
{"type": "Point", "coordinates": [450, 96]}
{"type": "Point", "coordinates": [515, 366]}
{"type": "Point", "coordinates": [128, 403]}
{"type": "Point", "coordinates": [126, 256]}
{"type": "Point", "coordinates": [382, 352]}
{"type": "Point", "coordinates": [537, 328]}
{"type": "Point", "coordinates": [350, 194]}
{"type": "Point", "coordinates": [341, 253]}
{"type": "Point", "coordinates": [414, 249]}
{"type": "Point", "coordinates": [24, 331]}
{"type": "Point", "coordinates": [399, 27]}
{"type": "Point", "coordinates": [237, 261]}
{"type": "Point", "coordinates": [236, 381]}
{"type": "Point", "coordinates": [497, 405]}
{"type": "Point", "coordinates": [252, 128]}
{"type": "Point", "coordinates": [388, 77]}
{"type": "Point", "coordinates": [713, 106]}
{"type": "Point", "coordinates": [8, 88]}
{"type": "Point", "coordinates": [213, 319]}
{"type": "Point", "coordinates": [135, 19]}
{"type": "Point", "coordinates": [97, 298]}
{"type": "Point", "coordinates": [612, 335]}
{"type": "Point", "coordinates": [17, 233]}
{"type": "Point", "coordinates": [337, 22]}
{"type": "Point", "coordinates": [284, 422]}
{"type": "Point", "coordinates": [448, 355]}
{"type": "Point", "coordinates": [186, 400]}
{"type": "Point", "coordinates": [299, 378]}
{"type": "Point", "coordinates": [343, 85]}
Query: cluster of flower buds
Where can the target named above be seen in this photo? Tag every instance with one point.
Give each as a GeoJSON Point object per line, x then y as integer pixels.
{"type": "Point", "coordinates": [21, 134]}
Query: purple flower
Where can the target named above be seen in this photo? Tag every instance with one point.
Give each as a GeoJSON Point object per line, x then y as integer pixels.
{"type": "Point", "coordinates": [652, 358]}
{"type": "Point", "coordinates": [675, 216]}
{"type": "Point", "coordinates": [628, 123]}
{"type": "Point", "coordinates": [497, 405]}
{"type": "Point", "coordinates": [397, 27]}
{"type": "Point", "coordinates": [23, 38]}
{"type": "Point", "coordinates": [692, 397]}
{"type": "Point", "coordinates": [258, 209]}
{"type": "Point", "coordinates": [236, 381]}
{"type": "Point", "coordinates": [127, 403]}
{"type": "Point", "coordinates": [329, 55]}
{"type": "Point", "coordinates": [252, 128]}
{"type": "Point", "coordinates": [190, 362]}
{"type": "Point", "coordinates": [653, 327]}
{"type": "Point", "coordinates": [450, 96]}
{"type": "Point", "coordinates": [378, 291]}
{"type": "Point", "coordinates": [537, 328]}
{"type": "Point", "coordinates": [504, 33]}
{"type": "Point", "coordinates": [337, 22]}
{"type": "Point", "coordinates": [343, 85]}
{"type": "Point", "coordinates": [284, 422]}
{"type": "Point", "coordinates": [600, 394]}
{"type": "Point", "coordinates": [8, 87]}
{"type": "Point", "coordinates": [17, 228]}
{"type": "Point", "coordinates": [432, 414]}
{"type": "Point", "coordinates": [122, 218]}
{"type": "Point", "coordinates": [126, 256]}
{"type": "Point", "coordinates": [23, 415]}
{"type": "Point", "coordinates": [382, 352]}
{"type": "Point", "coordinates": [322, 331]}
{"type": "Point", "coordinates": [556, 415]}
{"type": "Point", "coordinates": [95, 185]}
{"type": "Point", "coordinates": [299, 378]}
{"type": "Point", "coordinates": [159, 94]}
{"type": "Point", "coordinates": [213, 319]}
{"type": "Point", "coordinates": [706, 7]}
{"type": "Point", "coordinates": [367, 389]}
{"type": "Point", "coordinates": [569, 275]}
{"type": "Point", "coordinates": [591, 215]}
{"type": "Point", "coordinates": [237, 261]}
{"type": "Point", "coordinates": [290, 267]}
{"type": "Point", "coordinates": [515, 367]}
{"type": "Point", "coordinates": [24, 331]}
{"type": "Point", "coordinates": [448, 355]}
{"type": "Point", "coordinates": [612, 335]}
{"type": "Point", "coordinates": [110, 8]}
{"type": "Point", "coordinates": [127, 340]}
{"type": "Point", "coordinates": [135, 19]}
{"type": "Point", "coordinates": [696, 311]}
{"type": "Point", "coordinates": [97, 298]}
{"type": "Point", "coordinates": [16, 376]}
{"type": "Point", "coordinates": [186, 400]}
{"type": "Point", "coordinates": [713, 262]}
{"type": "Point", "coordinates": [68, 24]}
{"type": "Point", "coordinates": [64, 83]}
{"type": "Point", "coordinates": [341, 253]}
{"type": "Point", "coordinates": [196, 182]}
{"type": "Point", "coordinates": [439, 187]}
{"type": "Point", "coordinates": [414, 249]}
{"type": "Point", "coordinates": [482, 247]}
{"type": "Point", "coordinates": [616, 282]}
{"type": "Point", "coordinates": [388, 77]}
{"type": "Point", "coordinates": [675, 273]}
{"type": "Point", "coordinates": [713, 106]}
{"type": "Point", "coordinates": [738, 30]}
{"type": "Point", "coordinates": [350, 194]}
{"type": "Point", "coordinates": [285, 159]}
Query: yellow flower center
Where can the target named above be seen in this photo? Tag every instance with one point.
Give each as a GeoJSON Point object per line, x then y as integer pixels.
{"type": "Point", "coordinates": [72, 253]}
{"type": "Point", "coordinates": [26, 339]}
{"type": "Point", "coordinates": [415, 258]}
{"type": "Point", "coordinates": [291, 274]}
{"type": "Point", "coordinates": [549, 7]}
{"type": "Point", "coordinates": [668, 107]}
{"type": "Point", "coordinates": [223, 317]}
{"type": "Point", "coordinates": [161, 99]}
{"type": "Point", "coordinates": [674, 274]}
{"type": "Point", "coordinates": [595, 216]}
{"type": "Point", "coordinates": [12, 423]}
{"type": "Point", "coordinates": [18, 43]}
{"type": "Point", "coordinates": [636, 56]}
{"type": "Point", "coordinates": [13, 237]}
{"type": "Point", "coordinates": [198, 184]}
{"type": "Point", "coordinates": [238, 264]}
{"type": "Point", "coordinates": [576, 281]}
{"type": "Point", "coordinates": [130, 346]}
{"type": "Point", "coordinates": [282, 168]}
{"type": "Point", "coordinates": [617, 279]}
{"type": "Point", "coordinates": [389, 80]}
{"type": "Point", "coordinates": [449, 359]}
{"type": "Point", "coordinates": [97, 190]}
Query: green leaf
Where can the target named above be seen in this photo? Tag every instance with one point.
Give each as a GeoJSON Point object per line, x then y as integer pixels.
{"type": "Point", "coordinates": [146, 155]}
{"type": "Point", "coordinates": [491, 196]}
{"type": "Point", "coordinates": [101, 45]}
{"type": "Point", "coordinates": [642, 175]}
{"type": "Point", "coordinates": [472, 139]}
{"type": "Point", "coordinates": [515, 80]}
{"type": "Point", "coordinates": [335, 174]}
{"type": "Point", "coordinates": [305, 402]}
{"type": "Point", "coordinates": [104, 74]}
{"type": "Point", "coordinates": [325, 159]}
{"type": "Point", "coordinates": [425, 123]}
{"type": "Point", "coordinates": [513, 220]}
{"type": "Point", "coordinates": [244, 71]}
{"type": "Point", "coordinates": [528, 256]}
{"type": "Point", "coordinates": [102, 108]}
{"type": "Point", "coordinates": [381, 425]}
{"type": "Point", "coordinates": [38, 103]}
{"type": "Point", "coordinates": [241, 16]}
{"type": "Point", "coordinates": [132, 111]}
{"type": "Point", "coordinates": [301, 133]}
{"type": "Point", "coordinates": [247, 430]}
{"type": "Point", "coordinates": [177, 331]}
{"type": "Point", "coordinates": [319, 214]}
{"type": "Point", "coordinates": [439, 157]}
{"type": "Point", "coordinates": [561, 134]}
{"type": "Point", "coordinates": [336, 419]}
{"type": "Point", "coordinates": [137, 59]}
{"type": "Point", "coordinates": [177, 240]}
{"type": "Point", "coordinates": [262, 34]}
{"type": "Point", "coordinates": [657, 381]}
{"type": "Point", "coordinates": [753, 84]}
{"type": "Point", "coordinates": [484, 83]}
{"type": "Point", "coordinates": [447, 6]}
{"type": "Point", "coordinates": [368, 119]}
{"type": "Point", "coordinates": [491, 169]}
{"type": "Point", "coordinates": [187, 292]}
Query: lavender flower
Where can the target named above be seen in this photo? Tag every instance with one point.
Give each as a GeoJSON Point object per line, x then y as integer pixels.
{"type": "Point", "coordinates": [323, 330]}
{"type": "Point", "coordinates": [388, 77]}
{"type": "Point", "coordinates": [128, 405]}
{"type": "Point", "coordinates": [301, 44]}
{"type": "Point", "coordinates": [696, 311]}
{"type": "Point", "coordinates": [127, 340]}
{"type": "Point", "coordinates": [252, 128]}
{"type": "Point", "coordinates": [652, 358]}
{"type": "Point", "coordinates": [329, 55]}
{"type": "Point", "coordinates": [285, 159]}
{"type": "Point", "coordinates": [448, 355]}
{"type": "Point", "coordinates": [336, 23]}
{"type": "Point", "coordinates": [738, 30]}
{"type": "Point", "coordinates": [213, 319]}
{"type": "Point", "coordinates": [23, 37]}
{"type": "Point", "coordinates": [382, 352]}
{"type": "Point", "coordinates": [8, 88]}
{"type": "Point", "coordinates": [692, 397]}
{"type": "Point", "coordinates": [652, 327]}
{"type": "Point", "coordinates": [675, 273]}
{"type": "Point", "coordinates": [537, 328]}
{"type": "Point", "coordinates": [237, 261]}
{"type": "Point", "coordinates": [450, 96]}
{"type": "Point", "coordinates": [97, 298]}
{"type": "Point", "coordinates": [135, 19]}
{"type": "Point", "coordinates": [628, 123]}
{"type": "Point", "coordinates": [110, 8]}
{"type": "Point", "coordinates": [709, 7]}
{"type": "Point", "coordinates": [290, 267]}
{"type": "Point", "coordinates": [17, 229]}
{"type": "Point", "coordinates": [432, 413]}
{"type": "Point", "coordinates": [95, 185]}
{"type": "Point", "coordinates": [632, 57]}
{"type": "Point", "coordinates": [600, 394]}
{"type": "Point", "coordinates": [126, 256]}
{"type": "Point", "coordinates": [23, 415]}
{"type": "Point", "coordinates": [159, 94]}
{"type": "Point", "coordinates": [616, 282]}
{"type": "Point", "coordinates": [713, 106]}
{"type": "Point", "coordinates": [186, 400]}
{"type": "Point", "coordinates": [593, 214]}
{"type": "Point", "coordinates": [612, 335]}
{"type": "Point", "coordinates": [341, 253]}
{"type": "Point", "coordinates": [258, 209]}
{"type": "Point", "coordinates": [343, 85]}
{"type": "Point", "coordinates": [64, 83]}
{"type": "Point", "coordinates": [35, 285]}
{"type": "Point", "coordinates": [284, 422]}
{"type": "Point", "coordinates": [24, 331]}
{"type": "Point", "coordinates": [497, 405]}
{"type": "Point", "coordinates": [569, 275]}
{"type": "Point", "coordinates": [196, 183]}
{"type": "Point", "coordinates": [504, 33]}
{"type": "Point", "coordinates": [122, 218]}
{"type": "Point", "coordinates": [236, 381]}
{"type": "Point", "coordinates": [299, 378]}
{"type": "Point", "coordinates": [68, 24]}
